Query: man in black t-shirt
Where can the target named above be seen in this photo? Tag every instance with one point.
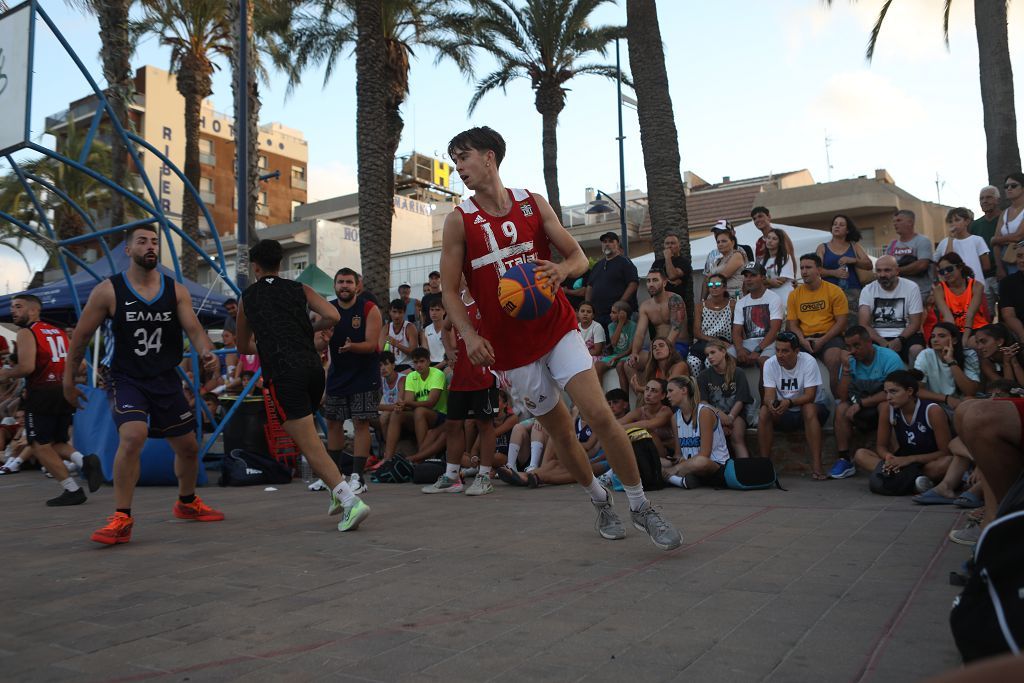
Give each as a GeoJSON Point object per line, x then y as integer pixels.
{"type": "Point", "coordinates": [612, 279]}
{"type": "Point", "coordinates": [675, 267]}
{"type": "Point", "coordinates": [1011, 297]}
{"type": "Point", "coordinates": [432, 294]}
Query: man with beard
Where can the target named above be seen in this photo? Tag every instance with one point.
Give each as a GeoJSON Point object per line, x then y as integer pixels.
{"type": "Point", "coordinates": [149, 311]}
{"type": "Point", "coordinates": [890, 310]}
{"type": "Point", "coordinates": [42, 353]}
{"type": "Point", "coordinates": [665, 314]}
{"type": "Point", "coordinates": [612, 279]}
{"type": "Point", "coordinates": [353, 381]}
{"type": "Point", "coordinates": [677, 270]}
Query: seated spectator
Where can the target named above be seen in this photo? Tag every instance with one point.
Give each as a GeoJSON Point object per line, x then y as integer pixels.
{"type": "Point", "coordinates": [727, 261]}
{"type": "Point", "coordinates": [423, 404]}
{"type": "Point", "coordinates": [244, 370]}
{"type": "Point", "coordinates": [211, 416]}
{"type": "Point", "coordinates": [392, 384]}
{"type": "Point", "coordinates": [653, 414]}
{"type": "Point", "coordinates": [779, 264]}
{"type": "Point", "coordinates": [399, 335]}
{"type": "Point", "coordinates": [228, 361]}
{"type": "Point", "coordinates": [951, 372]}
{"type": "Point", "coordinates": [971, 248]}
{"type": "Point", "coordinates": [757, 319]}
{"type": "Point", "coordinates": [865, 367]}
{"type": "Point", "coordinates": [520, 440]}
{"type": "Point", "coordinates": [725, 388]}
{"type": "Point", "coordinates": [699, 450]}
{"type": "Point", "coordinates": [713, 319]}
{"type": "Point", "coordinates": [12, 440]}
{"type": "Point", "coordinates": [1011, 297]}
{"type": "Point", "coordinates": [921, 431]}
{"type": "Point", "coordinates": [244, 377]}
{"type": "Point", "coordinates": [891, 310]}
{"type": "Point", "coordinates": [841, 257]}
{"type": "Point", "coordinates": [663, 362]}
{"type": "Point", "coordinates": [504, 421]}
{"type": "Point", "coordinates": [816, 313]}
{"type": "Point", "coordinates": [793, 398]}
{"type": "Point", "coordinates": [593, 334]}
{"type": "Point", "coordinates": [431, 337]}
{"type": "Point", "coordinates": [959, 298]}
{"type": "Point", "coordinates": [1000, 354]}
{"type": "Point", "coordinates": [620, 340]}
{"type": "Point", "coordinates": [663, 314]}
{"type": "Point", "coordinates": [550, 471]}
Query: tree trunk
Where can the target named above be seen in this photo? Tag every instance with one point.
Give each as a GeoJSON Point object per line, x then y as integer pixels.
{"type": "Point", "coordinates": [117, 70]}
{"type": "Point", "coordinates": [375, 173]}
{"type": "Point", "coordinates": [1003, 151]}
{"type": "Point", "coordinates": [252, 114]}
{"type": "Point", "coordinates": [550, 101]}
{"type": "Point", "coordinates": [191, 87]}
{"type": "Point", "coordinates": [658, 137]}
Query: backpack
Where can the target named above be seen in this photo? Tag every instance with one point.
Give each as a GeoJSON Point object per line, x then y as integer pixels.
{"type": "Point", "coordinates": [748, 474]}
{"type": "Point", "coordinates": [987, 618]}
{"type": "Point", "coordinates": [244, 468]}
{"type": "Point", "coordinates": [899, 484]}
{"type": "Point", "coordinates": [397, 470]}
{"type": "Point", "coordinates": [647, 460]}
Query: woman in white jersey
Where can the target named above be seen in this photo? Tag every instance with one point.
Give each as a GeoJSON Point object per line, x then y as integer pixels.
{"type": "Point", "coordinates": [701, 449]}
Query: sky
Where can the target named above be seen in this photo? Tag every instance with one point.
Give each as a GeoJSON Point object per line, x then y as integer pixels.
{"type": "Point", "coordinates": [757, 88]}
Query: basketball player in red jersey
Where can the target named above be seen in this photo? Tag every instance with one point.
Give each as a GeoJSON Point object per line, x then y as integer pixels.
{"type": "Point", "coordinates": [492, 231]}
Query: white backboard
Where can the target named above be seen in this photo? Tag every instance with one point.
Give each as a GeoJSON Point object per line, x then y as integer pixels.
{"type": "Point", "coordinates": [16, 32]}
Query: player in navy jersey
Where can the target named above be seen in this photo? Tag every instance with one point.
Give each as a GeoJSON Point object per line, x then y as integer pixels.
{"type": "Point", "coordinates": [149, 311]}
{"type": "Point", "coordinates": [275, 311]}
{"type": "Point", "coordinates": [42, 354]}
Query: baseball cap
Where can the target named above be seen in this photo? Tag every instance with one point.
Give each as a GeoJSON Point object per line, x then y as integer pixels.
{"type": "Point", "coordinates": [609, 236]}
{"type": "Point", "coordinates": [722, 226]}
{"type": "Point", "coordinates": [405, 284]}
{"type": "Point", "coordinates": [753, 267]}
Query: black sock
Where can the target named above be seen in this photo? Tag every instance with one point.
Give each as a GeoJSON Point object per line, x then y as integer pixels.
{"type": "Point", "coordinates": [127, 511]}
{"type": "Point", "coordinates": [190, 498]}
{"type": "Point", "coordinates": [845, 455]}
{"type": "Point", "coordinates": [358, 463]}
{"type": "Point", "coordinates": [342, 460]}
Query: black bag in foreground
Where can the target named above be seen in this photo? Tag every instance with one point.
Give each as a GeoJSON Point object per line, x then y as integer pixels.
{"type": "Point", "coordinates": [647, 460]}
{"type": "Point", "coordinates": [748, 474]}
{"type": "Point", "coordinates": [396, 470]}
{"type": "Point", "coordinates": [898, 484]}
{"type": "Point", "coordinates": [988, 616]}
{"type": "Point", "coordinates": [242, 468]}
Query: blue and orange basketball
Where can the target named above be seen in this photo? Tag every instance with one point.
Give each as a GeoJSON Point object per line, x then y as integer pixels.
{"type": "Point", "coordinates": [522, 295]}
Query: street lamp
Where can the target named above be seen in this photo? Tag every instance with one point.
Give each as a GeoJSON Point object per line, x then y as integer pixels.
{"type": "Point", "coordinates": [600, 205]}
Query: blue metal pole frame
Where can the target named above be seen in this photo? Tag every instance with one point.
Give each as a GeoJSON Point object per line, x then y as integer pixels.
{"type": "Point", "coordinates": [242, 148]}
{"type": "Point", "coordinates": [622, 157]}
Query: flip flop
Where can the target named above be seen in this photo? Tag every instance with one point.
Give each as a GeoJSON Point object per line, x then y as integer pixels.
{"type": "Point", "coordinates": [968, 500]}
{"type": "Point", "coordinates": [818, 476]}
{"type": "Point", "coordinates": [533, 481]}
{"type": "Point", "coordinates": [509, 477]}
{"type": "Point", "coordinates": [932, 497]}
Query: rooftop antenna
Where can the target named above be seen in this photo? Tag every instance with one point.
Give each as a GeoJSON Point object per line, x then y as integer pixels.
{"type": "Point", "coordinates": [939, 184]}
{"type": "Point", "coordinates": [828, 156]}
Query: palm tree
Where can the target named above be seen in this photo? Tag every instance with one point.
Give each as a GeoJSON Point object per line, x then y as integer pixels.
{"type": "Point", "coordinates": [658, 136]}
{"type": "Point", "coordinates": [196, 31]}
{"type": "Point", "coordinates": [996, 76]}
{"type": "Point", "coordinates": [116, 53]}
{"type": "Point", "coordinates": [544, 41]}
{"type": "Point", "coordinates": [383, 34]}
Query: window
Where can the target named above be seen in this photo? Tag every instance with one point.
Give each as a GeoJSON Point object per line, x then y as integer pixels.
{"type": "Point", "coordinates": [298, 262]}
{"type": "Point", "coordinates": [206, 184]}
{"type": "Point", "coordinates": [263, 161]}
{"type": "Point", "coordinates": [262, 199]}
{"type": "Point", "coordinates": [299, 177]}
{"type": "Point", "coordinates": [206, 155]}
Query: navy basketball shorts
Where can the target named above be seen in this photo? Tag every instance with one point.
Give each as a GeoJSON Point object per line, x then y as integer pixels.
{"type": "Point", "coordinates": [160, 401]}
{"type": "Point", "coordinates": [44, 429]}
{"type": "Point", "coordinates": [297, 393]}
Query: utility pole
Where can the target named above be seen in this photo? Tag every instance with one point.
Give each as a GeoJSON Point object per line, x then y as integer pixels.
{"type": "Point", "coordinates": [828, 156]}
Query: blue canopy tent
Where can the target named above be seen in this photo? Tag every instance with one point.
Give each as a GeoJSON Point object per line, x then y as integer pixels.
{"type": "Point", "coordinates": [59, 307]}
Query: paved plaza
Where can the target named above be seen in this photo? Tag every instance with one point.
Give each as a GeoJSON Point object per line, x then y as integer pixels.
{"type": "Point", "coordinates": [823, 582]}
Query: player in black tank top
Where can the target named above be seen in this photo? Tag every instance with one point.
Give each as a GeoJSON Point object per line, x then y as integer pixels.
{"type": "Point", "coordinates": [149, 312]}
{"type": "Point", "coordinates": [273, 320]}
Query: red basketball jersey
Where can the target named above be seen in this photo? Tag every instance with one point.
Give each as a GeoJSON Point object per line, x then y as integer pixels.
{"type": "Point", "coordinates": [51, 356]}
{"type": "Point", "coordinates": [465, 375]}
{"type": "Point", "coordinates": [493, 245]}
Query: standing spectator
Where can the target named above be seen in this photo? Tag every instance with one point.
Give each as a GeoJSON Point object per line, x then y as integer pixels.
{"type": "Point", "coordinates": [816, 313]}
{"type": "Point", "coordinates": [728, 261]}
{"type": "Point", "coordinates": [842, 256]}
{"type": "Point", "coordinates": [593, 334]}
{"type": "Point", "coordinates": [431, 293]}
{"type": "Point", "coordinates": [229, 324]}
{"type": "Point", "coordinates": [913, 252]}
{"type": "Point", "coordinates": [984, 227]}
{"type": "Point", "coordinates": [676, 268]}
{"type": "Point", "coordinates": [1011, 297]}
{"type": "Point", "coordinates": [411, 305]}
{"type": "Point", "coordinates": [400, 335]}
{"type": "Point", "coordinates": [612, 279]}
{"type": "Point", "coordinates": [779, 263]}
{"type": "Point", "coordinates": [725, 387]}
{"type": "Point", "coordinates": [431, 336]}
{"type": "Point", "coordinates": [713, 320]}
{"type": "Point", "coordinates": [865, 367]}
{"type": "Point", "coordinates": [353, 380]}
{"type": "Point", "coordinates": [1011, 226]}
{"type": "Point", "coordinates": [763, 221]}
{"type": "Point", "coordinates": [793, 399]}
{"type": "Point", "coordinates": [757, 319]}
{"type": "Point", "coordinates": [972, 249]}
{"type": "Point", "coordinates": [951, 372]}
{"type": "Point", "coordinates": [959, 298]}
{"type": "Point", "coordinates": [891, 310]}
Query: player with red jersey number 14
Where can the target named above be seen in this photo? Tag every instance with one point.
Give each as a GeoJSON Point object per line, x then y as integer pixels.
{"type": "Point", "coordinates": [489, 234]}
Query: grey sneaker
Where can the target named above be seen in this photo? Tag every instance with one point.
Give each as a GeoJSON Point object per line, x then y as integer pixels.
{"type": "Point", "coordinates": [922, 484]}
{"type": "Point", "coordinates": [662, 534]}
{"type": "Point", "coordinates": [969, 535]}
{"type": "Point", "coordinates": [481, 485]}
{"type": "Point", "coordinates": [444, 485]}
{"type": "Point", "coordinates": [608, 524]}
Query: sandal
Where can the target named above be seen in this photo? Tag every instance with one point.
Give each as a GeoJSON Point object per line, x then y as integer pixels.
{"type": "Point", "coordinates": [818, 476]}
{"type": "Point", "coordinates": [969, 500]}
{"type": "Point", "coordinates": [932, 497]}
{"type": "Point", "coordinates": [509, 477]}
{"type": "Point", "coordinates": [533, 481]}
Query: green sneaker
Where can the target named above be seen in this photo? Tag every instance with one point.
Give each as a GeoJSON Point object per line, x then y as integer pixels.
{"type": "Point", "coordinates": [354, 516]}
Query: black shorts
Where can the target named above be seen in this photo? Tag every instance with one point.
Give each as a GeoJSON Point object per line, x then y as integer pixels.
{"type": "Point", "coordinates": [472, 405]}
{"type": "Point", "coordinates": [43, 429]}
{"type": "Point", "coordinates": [835, 342]}
{"type": "Point", "coordinates": [159, 400]}
{"type": "Point", "coordinates": [793, 420]}
{"type": "Point", "coordinates": [916, 339]}
{"type": "Point", "coordinates": [298, 393]}
{"type": "Point", "coordinates": [716, 480]}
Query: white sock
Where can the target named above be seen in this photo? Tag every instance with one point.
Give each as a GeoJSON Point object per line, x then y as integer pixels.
{"type": "Point", "coordinates": [451, 470]}
{"type": "Point", "coordinates": [76, 458]}
{"type": "Point", "coordinates": [69, 485]}
{"type": "Point", "coordinates": [676, 480]}
{"type": "Point", "coordinates": [536, 453]}
{"type": "Point", "coordinates": [485, 470]}
{"type": "Point", "coordinates": [636, 496]}
{"type": "Point", "coordinates": [344, 493]}
{"type": "Point", "coordinates": [513, 456]}
{"type": "Point", "coordinates": [598, 494]}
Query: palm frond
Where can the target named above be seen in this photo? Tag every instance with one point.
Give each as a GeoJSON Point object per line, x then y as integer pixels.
{"type": "Point", "coordinates": [876, 29]}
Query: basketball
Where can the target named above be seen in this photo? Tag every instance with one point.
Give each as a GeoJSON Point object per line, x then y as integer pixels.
{"type": "Point", "coordinates": [521, 295]}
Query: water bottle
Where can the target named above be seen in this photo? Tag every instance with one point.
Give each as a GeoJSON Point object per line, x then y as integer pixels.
{"type": "Point", "coordinates": [305, 470]}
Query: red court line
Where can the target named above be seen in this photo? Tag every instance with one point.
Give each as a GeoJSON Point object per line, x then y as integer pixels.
{"type": "Point", "coordinates": [450, 618]}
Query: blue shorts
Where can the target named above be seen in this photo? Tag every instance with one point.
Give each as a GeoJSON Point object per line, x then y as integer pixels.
{"type": "Point", "coordinates": [683, 348]}
{"type": "Point", "coordinates": [159, 400]}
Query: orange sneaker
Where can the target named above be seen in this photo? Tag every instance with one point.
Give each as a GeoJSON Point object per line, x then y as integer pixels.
{"type": "Point", "coordinates": [197, 510]}
{"type": "Point", "coordinates": [117, 530]}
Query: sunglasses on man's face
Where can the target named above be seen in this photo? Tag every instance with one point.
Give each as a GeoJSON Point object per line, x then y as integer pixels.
{"type": "Point", "coordinates": [947, 270]}
{"type": "Point", "coordinates": [1011, 186]}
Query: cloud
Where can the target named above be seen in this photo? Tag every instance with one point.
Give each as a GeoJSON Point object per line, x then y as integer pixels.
{"type": "Point", "coordinates": [331, 179]}
{"type": "Point", "coordinates": [863, 101]}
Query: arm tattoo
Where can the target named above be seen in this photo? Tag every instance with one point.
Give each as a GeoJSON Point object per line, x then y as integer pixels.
{"type": "Point", "coordinates": [677, 312]}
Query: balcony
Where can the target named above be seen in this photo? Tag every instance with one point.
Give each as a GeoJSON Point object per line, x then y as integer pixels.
{"type": "Point", "coordinates": [208, 159]}
{"type": "Point", "coordinates": [298, 183]}
{"type": "Point", "coordinates": [262, 210]}
{"type": "Point", "coordinates": [208, 197]}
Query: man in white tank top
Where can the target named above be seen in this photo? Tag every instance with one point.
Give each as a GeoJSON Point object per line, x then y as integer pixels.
{"type": "Point", "coordinates": [430, 337]}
